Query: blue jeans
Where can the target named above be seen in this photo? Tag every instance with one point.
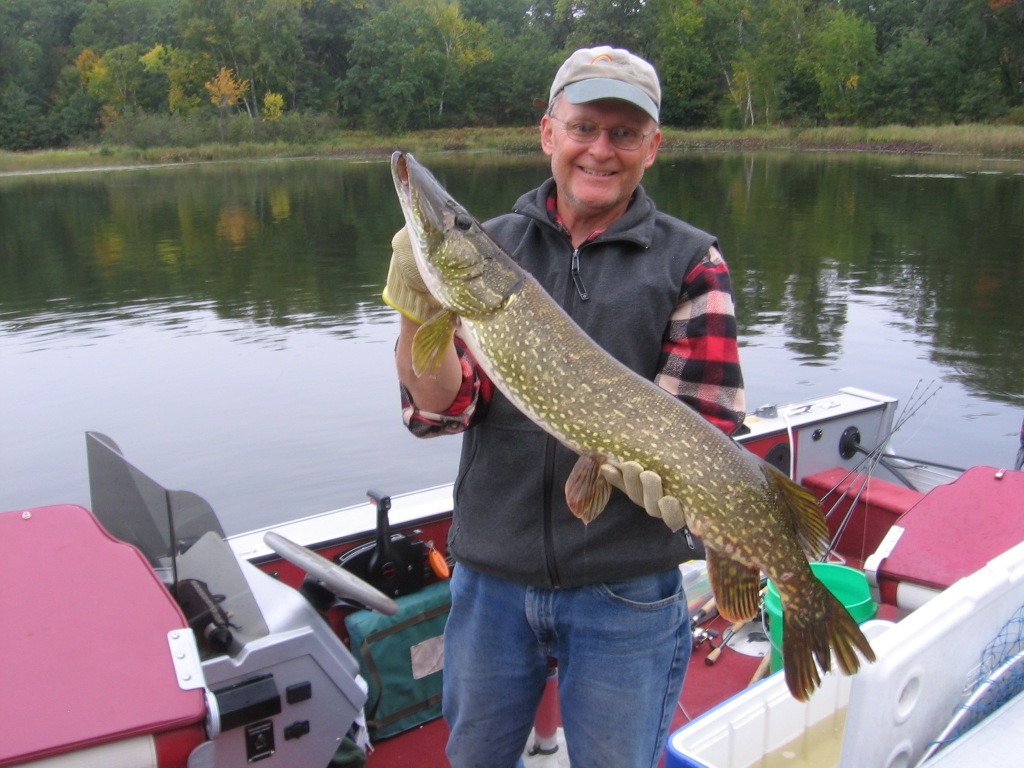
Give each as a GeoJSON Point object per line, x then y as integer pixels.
{"type": "Point", "coordinates": [622, 650]}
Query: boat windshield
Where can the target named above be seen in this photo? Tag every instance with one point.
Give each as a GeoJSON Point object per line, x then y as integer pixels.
{"type": "Point", "coordinates": [134, 508]}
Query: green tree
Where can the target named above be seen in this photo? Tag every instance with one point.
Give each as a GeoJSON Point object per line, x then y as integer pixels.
{"type": "Point", "coordinates": [942, 60]}
{"type": "Point", "coordinates": [727, 30]}
{"type": "Point", "coordinates": [258, 39]}
{"type": "Point", "coordinates": [785, 88]}
{"type": "Point", "coordinates": [462, 47]}
{"type": "Point", "coordinates": [892, 19]}
{"type": "Point", "coordinates": [503, 89]}
{"type": "Point", "coordinates": [1005, 26]}
{"type": "Point", "coordinates": [34, 40]}
{"type": "Point", "coordinates": [844, 51]}
{"type": "Point", "coordinates": [929, 71]}
{"type": "Point", "coordinates": [117, 30]}
{"type": "Point", "coordinates": [323, 38]}
{"type": "Point", "coordinates": [116, 80]}
{"type": "Point", "coordinates": [23, 121]}
{"type": "Point", "coordinates": [620, 23]}
{"type": "Point", "coordinates": [904, 89]}
{"type": "Point", "coordinates": [513, 16]}
{"type": "Point", "coordinates": [387, 82]}
{"type": "Point", "coordinates": [689, 72]}
{"type": "Point", "coordinates": [106, 24]}
{"type": "Point", "coordinates": [184, 74]}
{"type": "Point", "coordinates": [409, 59]}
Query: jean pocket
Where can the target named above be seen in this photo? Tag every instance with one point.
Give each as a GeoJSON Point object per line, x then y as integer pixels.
{"type": "Point", "coordinates": [649, 592]}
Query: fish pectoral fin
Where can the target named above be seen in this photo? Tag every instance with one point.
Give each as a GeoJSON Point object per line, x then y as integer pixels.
{"type": "Point", "coordinates": [808, 520]}
{"type": "Point", "coordinates": [431, 341]}
{"type": "Point", "coordinates": [587, 491]}
{"type": "Point", "coordinates": [737, 587]}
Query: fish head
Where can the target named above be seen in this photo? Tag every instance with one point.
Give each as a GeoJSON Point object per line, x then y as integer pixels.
{"type": "Point", "coordinates": [460, 263]}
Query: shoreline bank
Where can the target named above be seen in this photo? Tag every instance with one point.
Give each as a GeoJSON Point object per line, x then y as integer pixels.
{"type": "Point", "coordinates": [994, 142]}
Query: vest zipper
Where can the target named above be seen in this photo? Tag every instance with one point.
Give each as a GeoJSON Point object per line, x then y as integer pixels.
{"type": "Point", "coordinates": [576, 279]}
{"type": "Point", "coordinates": [549, 535]}
{"type": "Point", "coordinates": [550, 443]}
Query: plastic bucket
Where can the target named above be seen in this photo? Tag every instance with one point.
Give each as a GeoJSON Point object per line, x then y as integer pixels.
{"type": "Point", "coordinates": [850, 587]}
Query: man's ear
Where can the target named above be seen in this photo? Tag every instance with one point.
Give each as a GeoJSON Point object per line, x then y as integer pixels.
{"type": "Point", "coordinates": [652, 150]}
{"type": "Point", "coordinates": [546, 135]}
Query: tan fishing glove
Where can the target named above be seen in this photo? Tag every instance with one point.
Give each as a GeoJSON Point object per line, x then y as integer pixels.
{"type": "Point", "coordinates": [405, 289]}
{"type": "Point", "coordinates": [644, 487]}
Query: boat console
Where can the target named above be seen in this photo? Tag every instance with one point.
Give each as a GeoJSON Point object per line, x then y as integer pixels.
{"type": "Point", "coordinates": [141, 639]}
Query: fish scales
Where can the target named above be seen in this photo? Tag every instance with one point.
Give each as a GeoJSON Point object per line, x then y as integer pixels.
{"type": "Point", "coordinates": [627, 414]}
{"type": "Point", "coordinates": [751, 518]}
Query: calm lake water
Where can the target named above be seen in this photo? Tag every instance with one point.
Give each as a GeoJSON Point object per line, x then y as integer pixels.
{"type": "Point", "coordinates": [222, 322]}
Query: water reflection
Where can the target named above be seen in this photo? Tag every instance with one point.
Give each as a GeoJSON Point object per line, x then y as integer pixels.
{"type": "Point", "coordinates": [938, 239]}
{"type": "Point", "coordinates": [223, 321]}
{"type": "Point", "coordinates": [271, 242]}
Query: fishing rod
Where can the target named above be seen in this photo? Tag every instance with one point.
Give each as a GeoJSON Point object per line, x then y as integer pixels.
{"type": "Point", "coordinates": [728, 635]}
{"type": "Point", "coordinates": [871, 459]}
{"type": "Point", "coordinates": [866, 466]}
{"type": "Point", "coordinates": [713, 655]}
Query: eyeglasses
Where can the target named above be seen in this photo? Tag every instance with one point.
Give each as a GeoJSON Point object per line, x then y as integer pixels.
{"type": "Point", "coordinates": [586, 132]}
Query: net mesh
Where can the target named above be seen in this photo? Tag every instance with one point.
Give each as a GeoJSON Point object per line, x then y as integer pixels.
{"type": "Point", "coordinates": [1000, 678]}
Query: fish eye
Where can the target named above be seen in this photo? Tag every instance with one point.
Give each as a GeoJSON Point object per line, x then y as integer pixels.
{"type": "Point", "coordinates": [463, 221]}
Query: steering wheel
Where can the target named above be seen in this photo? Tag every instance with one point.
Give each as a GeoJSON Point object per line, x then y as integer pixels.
{"type": "Point", "coordinates": [342, 583]}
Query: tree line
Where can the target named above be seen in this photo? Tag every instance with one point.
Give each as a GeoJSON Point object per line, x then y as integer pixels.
{"type": "Point", "coordinates": [74, 71]}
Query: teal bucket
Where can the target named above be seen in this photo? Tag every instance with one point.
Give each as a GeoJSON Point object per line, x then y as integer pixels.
{"type": "Point", "coordinates": [850, 587]}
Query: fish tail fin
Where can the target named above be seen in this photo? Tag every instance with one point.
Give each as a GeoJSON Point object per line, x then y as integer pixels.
{"type": "Point", "coordinates": [809, 645]}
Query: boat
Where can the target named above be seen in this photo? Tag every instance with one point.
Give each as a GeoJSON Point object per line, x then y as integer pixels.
{"type": "Point", "coordinates": [138, 634]}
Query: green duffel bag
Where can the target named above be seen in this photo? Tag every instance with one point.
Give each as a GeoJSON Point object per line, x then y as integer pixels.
{"type": "Point", "coordinates": [401, 658]}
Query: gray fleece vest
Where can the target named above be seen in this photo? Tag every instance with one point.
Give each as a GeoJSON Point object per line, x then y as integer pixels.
{"type": "Point", "coordinates": [511, 519]}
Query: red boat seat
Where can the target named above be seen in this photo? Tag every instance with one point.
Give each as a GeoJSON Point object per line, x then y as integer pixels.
{"type": "Point", "coordinates": [950, 533]}
{"type": "Point", "coordinates": [84, 655]}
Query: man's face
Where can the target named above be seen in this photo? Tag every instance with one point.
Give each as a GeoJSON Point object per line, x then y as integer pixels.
{"type": "Point", "coordinates": [596, 180]}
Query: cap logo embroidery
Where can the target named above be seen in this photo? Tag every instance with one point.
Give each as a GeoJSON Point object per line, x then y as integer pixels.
{"type": "Point", "coordinates": [604, 57]}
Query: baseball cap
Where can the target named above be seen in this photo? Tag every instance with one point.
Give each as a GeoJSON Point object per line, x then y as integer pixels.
{"type": "Point", "coordinates": [591, 74]}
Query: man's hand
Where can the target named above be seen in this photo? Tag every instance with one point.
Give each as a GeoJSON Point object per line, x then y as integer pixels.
{"type": "Point", "coordinates": [405, 289]}
{"type": "Point", "coordinates": [644, 487]}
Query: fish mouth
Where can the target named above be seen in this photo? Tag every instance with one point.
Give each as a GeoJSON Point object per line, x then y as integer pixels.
{"type": "Point", "coordinates": [400, 167]}
{"type": "Point", "coordinates": [400, 174]}
{"type": "Point", "coordinates": [423, 201]}
{"type": "Point", "coordinates": [415, 207]}
{"type": "Point", "coordinates": [418, 196]}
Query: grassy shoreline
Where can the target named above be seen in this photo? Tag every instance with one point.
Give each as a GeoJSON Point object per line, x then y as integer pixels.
{"type": "Point", "coordinates": [990, 141]}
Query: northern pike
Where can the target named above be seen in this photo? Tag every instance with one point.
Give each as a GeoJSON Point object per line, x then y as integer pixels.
{"type": "Point", "coordinates": [751, 517]}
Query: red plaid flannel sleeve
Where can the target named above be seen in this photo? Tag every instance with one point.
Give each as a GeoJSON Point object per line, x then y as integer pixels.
{"type": "Point", "coordinates": [468, 408]}
{"type": "Point", "coordinates": [700, 353]}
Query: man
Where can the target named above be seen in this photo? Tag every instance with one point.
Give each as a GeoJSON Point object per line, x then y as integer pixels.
{"type": "Point", "coordinates": [531, 580]}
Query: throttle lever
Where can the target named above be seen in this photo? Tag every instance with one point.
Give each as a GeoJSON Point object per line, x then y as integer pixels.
{"type": "Point", "coordinates": [382, 567]}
